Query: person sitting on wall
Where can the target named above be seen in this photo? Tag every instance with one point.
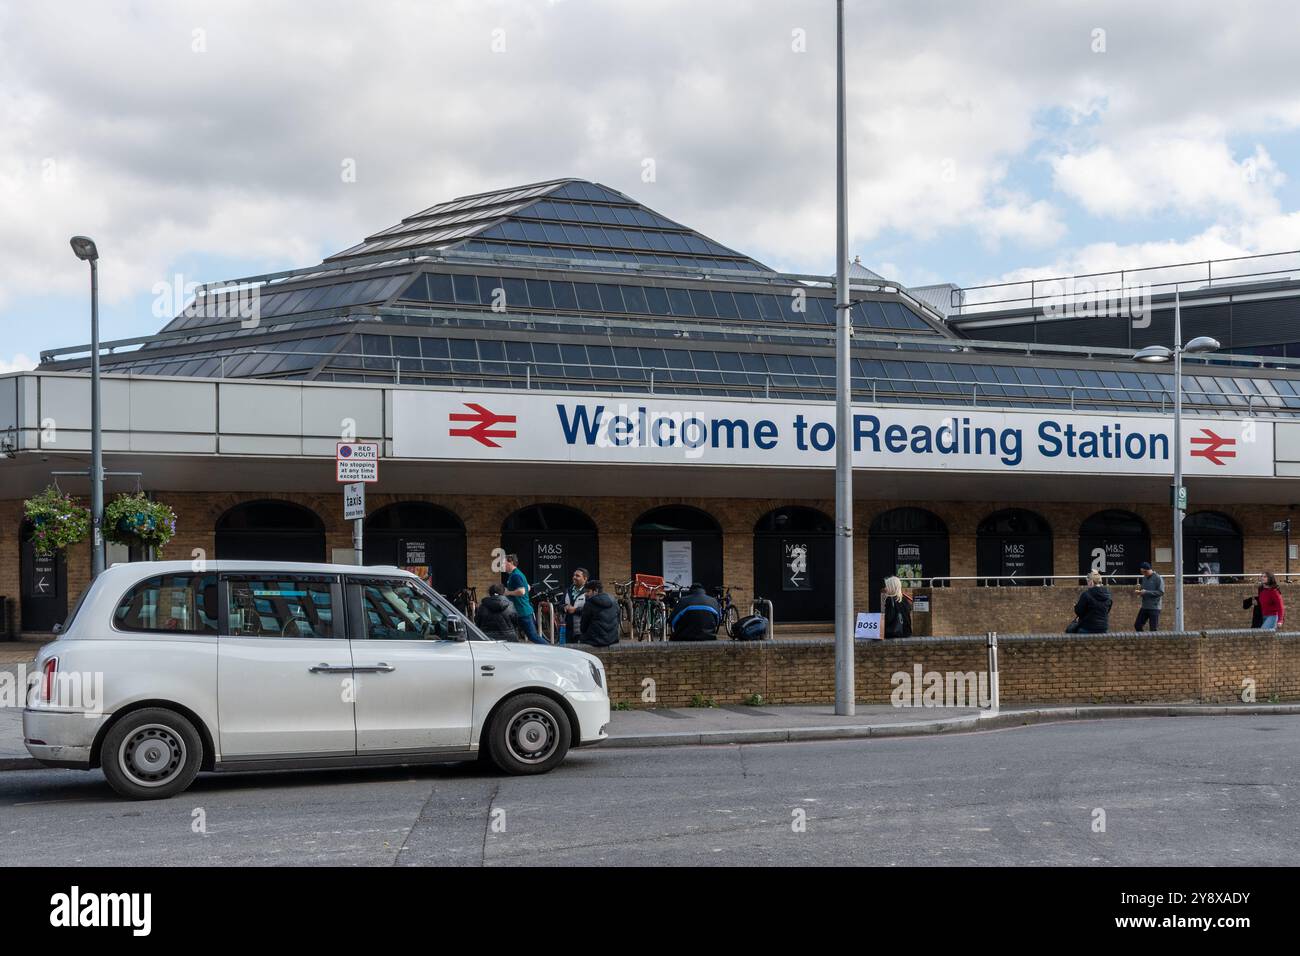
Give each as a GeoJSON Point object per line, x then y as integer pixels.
{"type": "Point", "coordinates": [1092, 610]}
{"type": "Point", "coordinates": [897, 608]}
{"type": "Point", "coordinates": [598, 619]}
{"type": "Point", "coordinates": [496, 616]}
{"type": "Point", "coordinates": [697, 616]}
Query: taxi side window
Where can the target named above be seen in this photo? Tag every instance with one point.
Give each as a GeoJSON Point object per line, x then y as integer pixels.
{"type": "Point", "coordinates": [280, 607]}
{"type": "Point", "coordinates": [398, 611]}
{"type": "Point", "coordinates": [175, 603]}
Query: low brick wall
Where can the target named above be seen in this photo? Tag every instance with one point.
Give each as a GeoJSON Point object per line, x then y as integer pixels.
{"type": "Point", "coordinates": [1207, 667]}
{"type": "Point", "coordinates": [1047, 610]}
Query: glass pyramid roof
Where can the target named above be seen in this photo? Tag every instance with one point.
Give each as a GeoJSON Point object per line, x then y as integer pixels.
{"type": "Point", "coordinates": [564, 218]}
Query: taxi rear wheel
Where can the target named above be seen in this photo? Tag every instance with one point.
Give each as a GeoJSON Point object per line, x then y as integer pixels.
{"type": "Point", "coordinates": [151, 754]}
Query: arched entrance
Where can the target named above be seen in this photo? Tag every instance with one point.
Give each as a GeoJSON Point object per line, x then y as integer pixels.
{"type": "Point", "coordinates": [910, 543]}
{"type": "Point", "coordinates": [421, 537]}
{"type": "Point", "coordinates": [44, 583]}
{"type": "Point", "coordinates": [270, 530]}
{"type": "Point", "coordinates": [794, 563]}
{"type": "Point", "coordinates": [1113, 542]}
{"type": "Point", "coordinates": [682, 543]}
{"type": "Point", "coordinates": [551, 540]}
{"type": "Point", "coordinates": [1014, 546]}
{"type": "Point", "coordinates": [1212, 546]}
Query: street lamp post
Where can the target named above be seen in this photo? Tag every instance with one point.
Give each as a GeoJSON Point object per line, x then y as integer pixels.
{"type": "Point", "coordinates": [1159, 353]}
{"type": "Point", "coordinates": [844, 682]}
{"type": "Point", "coordinates": [85, 249]}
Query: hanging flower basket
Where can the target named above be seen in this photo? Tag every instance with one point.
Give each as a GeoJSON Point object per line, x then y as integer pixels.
{"type": "Point", "coordinates": [58, 522]}
{"type": "Point", "coordinates": [137, 520]}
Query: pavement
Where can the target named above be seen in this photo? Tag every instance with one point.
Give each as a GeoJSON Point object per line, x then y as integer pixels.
{"type": "Point", "coordinates": [1191, 791]}
{"type": "Point", "coordinates": [743, 724]}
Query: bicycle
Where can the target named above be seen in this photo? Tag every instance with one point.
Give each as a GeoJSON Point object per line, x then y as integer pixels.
{"type": "Point", "coordinates": [623, 596]}
{"type": "Point", "coordinates": [729, 613]}
{"type": "Point", "coordinates": [649, 613]}
{"type": "Point", "coordinates": [466, 601]}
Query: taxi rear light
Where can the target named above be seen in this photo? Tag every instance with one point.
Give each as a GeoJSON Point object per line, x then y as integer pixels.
{"type": "Point", "coordinates": [47, 679]}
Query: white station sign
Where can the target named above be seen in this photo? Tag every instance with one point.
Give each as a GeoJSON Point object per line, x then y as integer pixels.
{"type": "Point", "coordinates": [514, 426]}
{"type": "Point", "coordinates": [357, 461]}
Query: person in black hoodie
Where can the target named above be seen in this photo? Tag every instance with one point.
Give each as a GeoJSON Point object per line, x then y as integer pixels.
{"type": "Point", "coordinates": [496, 616]}
{"type": "Point", "coordinates": [598, 625]}
{"type": "Point", "coordinates": [1093, 607]}
{"type": "Point", "coordinates": [696, 616]}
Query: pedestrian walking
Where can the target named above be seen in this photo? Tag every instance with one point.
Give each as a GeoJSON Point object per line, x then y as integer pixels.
{"type": "Point", "coordinates": [1271, 608]}
{"type": "Point", "coordinates": [496, 616]}
{"type": "Point", "coordinates": [517, 590]}
{"type": "Point", "coordinates": [1092, 610]}
{"type": "Point", "coordinates": [1152, 590]}
{"type": "Point", "coordinates": [897, 609]}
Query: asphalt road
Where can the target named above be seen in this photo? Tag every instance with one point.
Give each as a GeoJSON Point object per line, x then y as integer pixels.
{"type": "Point", "coordinates": [1186, 790]}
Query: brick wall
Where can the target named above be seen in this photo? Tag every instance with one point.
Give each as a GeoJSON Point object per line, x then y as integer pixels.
{"type": "Point", "coordinates": [971, 609]}
{"type": "Point", "coordinates": [1037, 610]}
{"type": "Point", "coordinates": [1119, 668]}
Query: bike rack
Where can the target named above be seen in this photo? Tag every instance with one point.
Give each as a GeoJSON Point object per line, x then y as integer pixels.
{"type": "Point", "coordinates": [770, 615]}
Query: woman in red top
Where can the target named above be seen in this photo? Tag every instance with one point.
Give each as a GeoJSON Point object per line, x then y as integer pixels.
{"type": "Point", "coordinates": [1270, 602]}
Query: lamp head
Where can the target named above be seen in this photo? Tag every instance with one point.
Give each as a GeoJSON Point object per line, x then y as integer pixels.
{"type": "Point", "coordinates": [1202, 343]}
{"type": "Point", "coordinates": [1153, 353]}
{"type": "Point", "coordinates": [84, 247]}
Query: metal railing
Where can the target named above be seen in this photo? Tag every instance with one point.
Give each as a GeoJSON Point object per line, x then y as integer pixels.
{"type": "Point", "coordinates": [1062, 290]}
{"type": "Point", "coordinates": [1018, 580]}
{"type": "Point", "coordinates": [765, 383]}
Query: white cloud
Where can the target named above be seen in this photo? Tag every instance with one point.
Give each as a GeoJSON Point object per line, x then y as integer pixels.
{"type": "Point", "coordinates": [19, 363]}
{"type": "Point", "coordinates": [1179, 176]}
{"type": "Point", "coordinates": [112, 125]}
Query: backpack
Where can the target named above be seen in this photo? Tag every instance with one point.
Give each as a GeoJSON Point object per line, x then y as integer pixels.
{"type": "Point", "coordinates": [751, 628]}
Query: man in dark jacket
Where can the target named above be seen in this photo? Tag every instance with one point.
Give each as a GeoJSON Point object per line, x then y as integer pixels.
{"type": "Point", "coordinates": [1093, 607]}
{"type": "Point", "coordinates": [598, 623]}
{"type": "Point", "coordinates": [496, 616]}
{"type": "Point", "coordinates": [696, 616]}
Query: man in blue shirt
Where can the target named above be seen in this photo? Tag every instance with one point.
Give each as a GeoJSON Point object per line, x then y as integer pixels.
{"type": "Point", "coordinates": [517, 591]}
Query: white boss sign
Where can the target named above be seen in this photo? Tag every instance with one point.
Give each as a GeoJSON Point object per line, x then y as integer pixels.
{"type": "Point", "coordinates": [868, 627]}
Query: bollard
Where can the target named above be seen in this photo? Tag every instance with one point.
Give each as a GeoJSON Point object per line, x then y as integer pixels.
{"type": "Point", "coordinates": [993, 671]}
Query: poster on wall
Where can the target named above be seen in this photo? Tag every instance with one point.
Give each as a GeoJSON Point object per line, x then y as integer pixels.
{"type": "Point", "coordinates": [1208, 564]}
{"type": "Point", "coordinates": [1110, 557]}
{"type": "Point", "coordinates": [794, 573]}
{"type": "Point", "coordinates": [44, 582]}
{"type": "Point", "coordinates": [907, 564]}
{"type": "Point", "coordinates": [677, 563]}
{"type": "Point", "coordinates": [548, 564]}
{"type": "Point", "coordinates": [1013, 558]}
{"type": "Point", "coordinates": [413, 556]}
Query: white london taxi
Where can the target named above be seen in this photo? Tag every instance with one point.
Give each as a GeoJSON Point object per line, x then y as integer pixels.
{"type": "Point", "coordinates": [163, 670]}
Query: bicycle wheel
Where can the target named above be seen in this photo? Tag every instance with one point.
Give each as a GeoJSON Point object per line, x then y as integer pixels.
{"type": "Point", "coordinates": [638, 619]}
{"type": "Point", "coordinates": [656, 622]}
{"type": "Point", "coordinates": [624, 619]}
{"type": "Point", "coordinates": [730, 618]}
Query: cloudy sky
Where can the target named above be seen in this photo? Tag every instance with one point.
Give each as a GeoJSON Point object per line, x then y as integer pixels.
{"type": "Point", "coordinates": [987, 139]}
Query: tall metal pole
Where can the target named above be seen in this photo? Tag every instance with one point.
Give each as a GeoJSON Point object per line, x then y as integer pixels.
{"type": "Point", "coordinates": [844, 683]}
{"type": "Point", "coordinates": [1178, 461]}
{"type": "Point", "coordinates": [96, 435]}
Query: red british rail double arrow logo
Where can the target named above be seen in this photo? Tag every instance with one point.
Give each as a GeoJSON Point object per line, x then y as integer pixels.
{"type": "Point", "coordinates": [1214, 447]}
{"type": "Point", "coordinates": [484, 428]}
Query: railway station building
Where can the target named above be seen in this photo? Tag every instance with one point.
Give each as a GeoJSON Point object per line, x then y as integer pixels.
{"type": "Point", "coordinates": [558, 370]}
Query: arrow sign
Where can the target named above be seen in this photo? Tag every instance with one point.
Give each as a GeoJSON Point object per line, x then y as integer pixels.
{"type": "Point", "coordinates": [42, 585]}
{"type": "Point", "coordinates": [549, 582]}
